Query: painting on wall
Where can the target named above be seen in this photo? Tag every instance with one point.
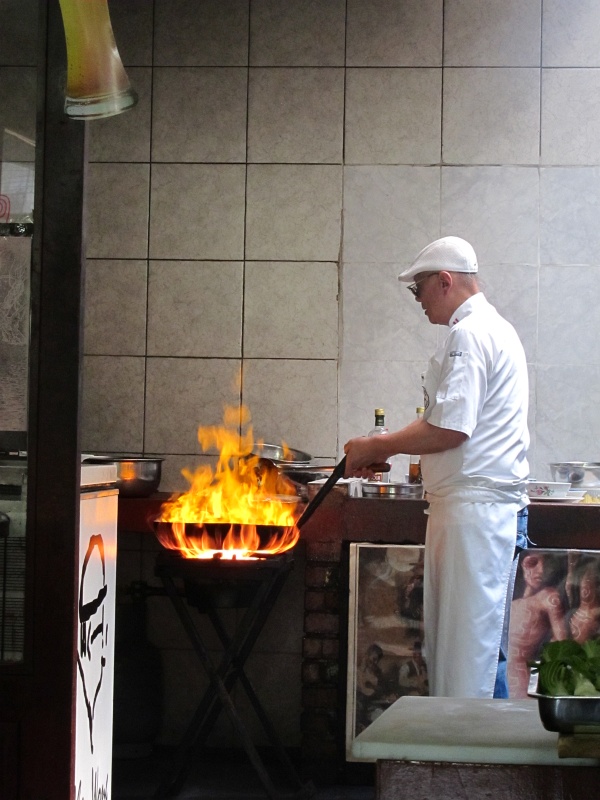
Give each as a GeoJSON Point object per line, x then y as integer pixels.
{"type": "Point", "coordinates": [385, 632]}
{"type": "Point", "coordinates": [556, 596]}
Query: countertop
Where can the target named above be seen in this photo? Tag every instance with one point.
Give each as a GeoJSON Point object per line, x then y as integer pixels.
{"type": "Point", "coordinates": [551, 524]}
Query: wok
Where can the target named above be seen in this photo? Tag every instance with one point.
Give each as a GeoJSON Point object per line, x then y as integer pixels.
{"type": "Point", "coordinates": [218, 531]}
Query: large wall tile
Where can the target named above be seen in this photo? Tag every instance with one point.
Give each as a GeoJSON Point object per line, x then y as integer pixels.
{"type": "Point", "coordinates": [291, 310]}
{"type": "Point", "coordinates": [569, 214]}
{"type": "Point", "coordinates": [173, 467]}
{"type": "Point", "coordinates": [296, 115]}
{"type": "Point", "coordinates": [571, 116]}
{"type": "Point", "coordinates": [513, 290]}
{"type": "Point", "coordinates": [115, 307]}
{"type": "Point", "coordinates": [183, 394]}
{"type": "Point", "coordinates": [568, 423]}
{"type": "Point", "coordinates": [568, 327]}
{"type": "Point", "coordinates": [112, 416]}
{"type": "Point", "coordinates": [385, 33]}
{"type": "Point", "coordinates": [491, 116]}
{"type": "Point", "coordinates": [197, 211]}
{"type": "Point", "coordinates": [195, 308]}
{"type": "Point", "coordinates": [394, 386]}
{"type": "Point", "coordinates": [18, 87]}
{"type": "Point", "coordinates": [494, 208]}
{"type": "Point", "coordinates": [293, 401]}
{"type": "Point", "coordinates": [132, 22]}
{"type": "Point", "coordinates": [117, 210]}
{"type": "Point", "coordinates": [125, 137]}
{"type": "Point", "coordinates": [191, 33]}
{"type": "Point", "coordinates": [199, 114]}
{"type": "Point", "coordinates": [293, 212]}
{"type": "Point", "coordinates": [381, 319]}
{"type": "Point", "coordinates": [393, 116]}
{"type": "Point", "coordinates": [570, 33]}
{"type": "Point", "coordinates": [496, 33]}
{"type": "Point", "coordinates": [390, 213]}
{"type": "Point", "coordinates": [300, 33]}
{"type": "Point", "coordinates": [18, 37]}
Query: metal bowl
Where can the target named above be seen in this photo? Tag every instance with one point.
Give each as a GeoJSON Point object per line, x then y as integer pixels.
{"type": "Point", "coordinates": [393, 491]}
{"type": "Point", "coordinates": [580, 474]}
{"type": "Point", "coordinates": [136, 476]}
{"type": "Point", "coordinates": [280, 455]}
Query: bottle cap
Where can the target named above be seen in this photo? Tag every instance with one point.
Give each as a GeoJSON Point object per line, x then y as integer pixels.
{"type": "Point", "coordinates": [379, 412]}
{"type": "Point", "coordinates": [420, 410]}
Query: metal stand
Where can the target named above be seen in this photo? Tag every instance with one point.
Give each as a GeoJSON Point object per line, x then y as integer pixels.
{"type": "Point", "coordinates": [209, 587]}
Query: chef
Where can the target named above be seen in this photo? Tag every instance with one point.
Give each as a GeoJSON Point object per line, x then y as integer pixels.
{"type": "Point", "coordinates": [473, 442]}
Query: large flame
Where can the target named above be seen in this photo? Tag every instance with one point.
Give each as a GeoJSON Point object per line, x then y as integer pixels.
{"type": "Point", "coordinates": [244, 508]}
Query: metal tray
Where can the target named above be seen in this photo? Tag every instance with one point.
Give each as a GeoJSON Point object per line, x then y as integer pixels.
{"type": "Point", "coordinates": [393, 491]}
{"type": "Point", "coordinates": [567, 714]}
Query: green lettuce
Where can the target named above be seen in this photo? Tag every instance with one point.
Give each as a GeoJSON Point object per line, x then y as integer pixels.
{"type": "Point", "coordinates": [568, 668]}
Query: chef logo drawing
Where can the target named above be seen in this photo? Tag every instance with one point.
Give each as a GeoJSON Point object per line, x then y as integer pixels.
{"type": "Point", "coordinates": [93, 630]}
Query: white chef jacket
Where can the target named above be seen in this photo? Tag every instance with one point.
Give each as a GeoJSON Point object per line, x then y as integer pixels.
{"type": "Point", "coordinates": [476, 383]}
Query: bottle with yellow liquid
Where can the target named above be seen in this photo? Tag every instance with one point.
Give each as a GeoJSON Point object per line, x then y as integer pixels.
{"type": "Point", "coordinates": [414, 464]}
{"type": "Point", "coordinates": [380, 429]}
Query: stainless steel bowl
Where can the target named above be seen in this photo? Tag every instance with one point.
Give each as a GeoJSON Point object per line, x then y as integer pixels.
{"type": "Point", "coordinates": [137, 476]}
{"type": "Point", "coordinates": [580, 474]}
{"type": "Point", "coordinates": [280, 455]}
{"type": "Point", "coordinates": [393, 491]}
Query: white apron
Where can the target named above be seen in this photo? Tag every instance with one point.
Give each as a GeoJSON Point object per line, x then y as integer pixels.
{"type": "Point", "coordinates": [468, 554]}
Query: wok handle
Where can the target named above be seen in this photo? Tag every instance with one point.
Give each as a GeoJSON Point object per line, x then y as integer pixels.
{"type": "Point", "coordinates": [337, 473]}
{"type": "Point", "coordinates": [310, 509]}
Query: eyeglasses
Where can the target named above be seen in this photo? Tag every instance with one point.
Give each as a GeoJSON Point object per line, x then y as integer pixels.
{"type": "Point", "coordinates": [415, 287]}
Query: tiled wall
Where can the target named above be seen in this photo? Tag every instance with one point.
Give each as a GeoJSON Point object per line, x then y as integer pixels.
{"type": "Point", "coordinates": [286, 160]}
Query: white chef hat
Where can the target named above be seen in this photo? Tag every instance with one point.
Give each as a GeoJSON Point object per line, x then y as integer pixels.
{"type": "Point", "coordinates": [449, 253]}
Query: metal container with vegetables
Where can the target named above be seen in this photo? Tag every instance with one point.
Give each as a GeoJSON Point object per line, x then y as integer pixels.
{"type": "Point", "coordinates": [566, 683]}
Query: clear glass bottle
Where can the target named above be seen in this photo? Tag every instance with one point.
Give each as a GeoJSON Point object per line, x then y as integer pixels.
{"type": "Point", "coordinates": [380, 430]}
{"type": "Point", "coordinates": [414, 463]}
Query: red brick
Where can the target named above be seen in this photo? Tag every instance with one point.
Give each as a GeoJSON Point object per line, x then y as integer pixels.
{"type": "Point", "coordinates": [324, 551]}
{"type": "Point", "coordinates": [325, 624]}
{"type": "Point", "coordinates": [330, 648]}
{"type": "Point", "coordinates": [316, 577]}
{"type": "Point", "coordinates": [312, 648]}
{"type": "Point", "coordinates": [314, 601]}
{"type": "Point", "coordinates": [311, 672]}
{"type": "Point", "coordinates": [321, 697]}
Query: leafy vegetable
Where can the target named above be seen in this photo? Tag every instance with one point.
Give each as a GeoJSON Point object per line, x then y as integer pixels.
{"type": "Point", "coordinates": [568, 668]}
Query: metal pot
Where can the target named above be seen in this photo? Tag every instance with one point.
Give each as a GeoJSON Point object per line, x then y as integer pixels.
{"type": "Point", "coordinates": [280, 455]}
{"type": "Point", "coordinates": [580, 474]}
{"type": "Point", "coordinates": [137, 476]}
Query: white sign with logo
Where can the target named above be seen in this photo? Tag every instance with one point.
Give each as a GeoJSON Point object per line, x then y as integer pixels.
{"type": "Point", "coordinates": [95, 644]}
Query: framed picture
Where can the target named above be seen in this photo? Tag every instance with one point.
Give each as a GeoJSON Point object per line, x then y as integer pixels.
{"type": "Point", "coordinates": [556, 596]}
{"type": "Point", "coordinates": [385, 632]}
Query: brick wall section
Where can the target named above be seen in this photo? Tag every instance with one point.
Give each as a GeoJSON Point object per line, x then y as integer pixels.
{"type": "Point", "coordinates": [321, 711]}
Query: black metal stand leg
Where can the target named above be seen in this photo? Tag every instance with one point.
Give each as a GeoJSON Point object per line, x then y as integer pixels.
{"type": "Point", "coordinates": [266, 723]}
{"type": "Point", "coordinates": [222, 681]}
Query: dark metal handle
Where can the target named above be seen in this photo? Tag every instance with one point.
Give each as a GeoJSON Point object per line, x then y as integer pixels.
{"type": "Point", "coordinates": [310, 509]}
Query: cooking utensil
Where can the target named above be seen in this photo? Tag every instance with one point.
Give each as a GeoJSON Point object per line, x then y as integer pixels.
{"type": "Point", "coordinates": [337, 473]}
{"type": "Point", "coordinates": [310, 509]}
{"type": "Point", "coordinates": [281, 455]}
{"type": "Point", "coordinates": [392, 491]}
{"type": "Point", "coordinates": [580, 474]}
{"type": "Point", "coordinates": [137, 476]}
{"type": "Point", "coordinates": [567, 714]}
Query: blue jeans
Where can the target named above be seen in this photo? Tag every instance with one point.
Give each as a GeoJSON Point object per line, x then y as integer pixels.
{"type": "Point", "coordinates": [501, 686]}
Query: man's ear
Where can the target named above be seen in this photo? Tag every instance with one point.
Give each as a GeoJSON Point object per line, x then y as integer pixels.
{"type": "Point", "coordinates": [445, 279]}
